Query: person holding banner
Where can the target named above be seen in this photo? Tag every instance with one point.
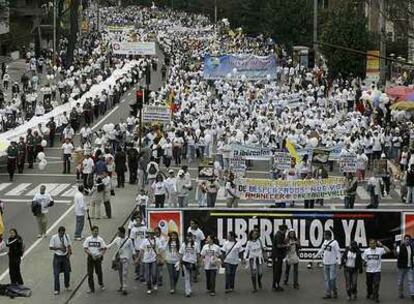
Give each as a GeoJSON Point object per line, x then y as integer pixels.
{"type": "Point", "coordinates": [331, 256]}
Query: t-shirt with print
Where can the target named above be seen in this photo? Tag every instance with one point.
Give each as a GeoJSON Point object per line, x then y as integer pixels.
{"type": "Point", "coordinates": [373, 257]}
{"type": "Point", "coordinates": [190, 252]}
{"type": "Point", "coordinates": [232, 252]}
{"type": "Point", "coordinates": [210, 254]}
{"type": "Point", "coordinates": [95, 245]}
{"type": "Point", "coordinates": [149, 248]}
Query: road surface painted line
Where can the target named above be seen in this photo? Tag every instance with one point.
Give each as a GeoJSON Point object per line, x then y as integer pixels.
{"type": "Point", "coordinates": [18, 190]}
{"type": "Point", "coordinates": [12, 200]}
{"type": "Point", "coordinates": [4, 186]}
{"type": "Point", "coordinates": [49, 188]}
{"type": "Point", "coordinates": [38, 241]}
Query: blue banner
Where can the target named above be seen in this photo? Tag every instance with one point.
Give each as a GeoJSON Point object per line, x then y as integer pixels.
{"type": "Point", "coordinates": [240, 66]}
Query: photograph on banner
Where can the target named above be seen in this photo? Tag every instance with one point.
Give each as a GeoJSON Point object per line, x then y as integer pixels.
{"type": "Point", "coordinates": [250, 152]}
{"type": "Point", "coordinates": [240, 66]}
{"type": "Point", "coordinates": [380, 167]}
{"type": "Point", "coordinates": [282, 160]}
{"type": "Point", "coordinates": [309, 225]}
{"type": "Point", "coordinates": [348, 163]}
{"type": "Point", "coordinates": [156, 114]}
{"type": "Point", "coordinates": [291, 190]}
{"type": "Point", "coordinates": [320, 156]}
{"type": "Point", "coordinates": [167, 221]}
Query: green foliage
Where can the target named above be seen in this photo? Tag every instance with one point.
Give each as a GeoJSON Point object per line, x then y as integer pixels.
{"type": "Point", "coordinates": [345, 26]}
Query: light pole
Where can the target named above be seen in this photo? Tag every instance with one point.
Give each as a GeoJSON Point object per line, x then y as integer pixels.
{"type": "Point", "coordinates": [215, 11]}
{"type": "Point", "coordinates": [315, 28]}
{"type": "Point", "coordinates": [54, 33]}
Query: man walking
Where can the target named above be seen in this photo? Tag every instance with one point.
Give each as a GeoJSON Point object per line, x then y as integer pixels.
{"type": "Point", "coordinates": [373, 258]}
{"type": "Point", "coordinates": [41, 203]}
{"type": "Point", "coordinates": [278, 254]}
{"type": "Point", "coordinates": [405, 254]}
{"type": "Point", "coordinates": [331, 256]}
{"type": "Point", "coordinates": [12, 153]}
{"type": "Point", "coordinates": [95, 249]}
{"type": "Point", "coordinates": [67, 148]}
{"type": "Point", "coordinates": [80, 210]}
{"type": "Point", "coordinates": [62, 249]}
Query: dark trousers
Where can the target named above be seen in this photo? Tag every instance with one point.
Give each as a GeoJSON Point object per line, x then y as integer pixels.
{"type": "Point", "coordinates": [230, 271]}
{"type": "Point", "coordinates": [11, 167]}
{"type": "Point", "coordinates": [309, 204]}
{"type": "Point", "coordinates": [211, 279]}
{"type": "Point", "coordinates": [174, 275]}
{"type": "Point", "coordinates": [94, 265]}
{"type": "Point", "coordinates": [373, 283]}
{"type": "Point", "coordinates": [211, 199]}
{"type": "Point", "coordinates": [351, 279]}
{"type": "Point", "coordinates": [350, 201]}
{"type": "Point", "coordinates": [108, 209]}
{"type": "Point", "coordinates": [14, 271]}
{"type": "Point", "coordinates": [120, 177]}
{"type": "Point", "coordinates": [66, 163]}
{"type": "Point", "coordinates": [20, 163]}
{"type": "Point", "coordinates": [87, 180]}
{"type": "Point", "coordinates": [277, 271]}
{"type": "Point", "coordinates": [159, 201]}
{"type": "Point", "coordinates": [61, 263]}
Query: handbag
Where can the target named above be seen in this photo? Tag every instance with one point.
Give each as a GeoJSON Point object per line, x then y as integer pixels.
{"type": "Point", "coordinates": [116, 262]}
{"type": "Point", "coordinates": [112, 192]}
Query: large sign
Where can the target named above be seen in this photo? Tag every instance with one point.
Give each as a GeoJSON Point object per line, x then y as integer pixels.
{"type": "Point", "coordinates": [250, 152]}
{"type": "Point", "coordinates": [373, 65]}
{"type": "Point", "coordinates": [167, 221]}
{"type": "Point", "coordinates": [156, 114]}
{"type": "Point", "coordinates": [348, 163]}
{"type": "Point", "coordinates": [134, 48]}
{"type": "Point", "coordinates": [282, 160]}
{"type": "Point", "coordinates": [4, 17]}
{"type": "Point", "coordinates": [291, 190]}
{"type": "Point", "coordinates": [240, 66]}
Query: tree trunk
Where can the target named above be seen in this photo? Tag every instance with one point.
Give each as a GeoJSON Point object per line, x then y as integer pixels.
{"type": "Point", "coordinates": [74, 29]}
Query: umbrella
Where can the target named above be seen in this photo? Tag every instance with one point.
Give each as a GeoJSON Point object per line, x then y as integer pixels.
{"type": "Point", "coordinates": [399, 92]}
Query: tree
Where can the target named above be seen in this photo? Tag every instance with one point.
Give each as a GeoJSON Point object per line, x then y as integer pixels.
{"type": "Point", "coordinates": [345, 26]}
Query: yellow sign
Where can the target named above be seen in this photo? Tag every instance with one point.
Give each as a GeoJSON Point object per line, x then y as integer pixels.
{"type": "Point", "coordinates": [373, 64]}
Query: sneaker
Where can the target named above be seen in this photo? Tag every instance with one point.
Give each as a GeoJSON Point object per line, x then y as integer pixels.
{"type": "Point", "coordinates": [68, 289]}
{"type": "Point", "coordinates": [90, 291]}
{"type": "Point", "coordinates": [155, 287]}
{"type": "Point", "coordinates": [102, 287]}
{"type": "Point", "coordinates": [188, 295]}
{"type": "Point", "coordinates": [212, 294]}
{"type": "Point", "coordinates": [348, 298]}
{"type": "Point", "coordinates": [172, 291]}
{"type": "Point", "coordinates": [56, 292]}
{"type": "Point", "coordinates": [78, 239]}
{"type": "Point", "coordinates": [149, 291]}
{"type": "Point", "coordinates": [327, 297]}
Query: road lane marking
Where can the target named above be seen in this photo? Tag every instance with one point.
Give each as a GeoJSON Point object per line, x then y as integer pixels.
{"type": "Point", "coordinates": [49, 188]}
{"type": "Point", "coordinates": [13, 200]}
{"type": "Point", "coordinates": [4, 186]}
{"type": "Point", "coordinates": [18, 190]}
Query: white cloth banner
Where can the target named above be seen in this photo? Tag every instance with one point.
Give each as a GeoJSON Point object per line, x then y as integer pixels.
{"type": "Point", "coordinates": [134, 48]}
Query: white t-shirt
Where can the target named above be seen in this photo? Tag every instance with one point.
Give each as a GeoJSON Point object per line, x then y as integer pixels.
{"type": "Point", "coordinates": [44, 200]}
{"type": "Point", "coordinates": [87, 165]}
{"type": "Point", "coordinates": [171, 252]}
{"type": "Point", "coordinates": [80, 206]}
{"type": "Point", "coordinates": [198, 235]}
{"type": "Point", "coordinates": [56, 241]}
{"type": "Point", "coordinates": [190, 252]}
{"type": "Point", "coordinates": [232, 252]}
{"type": "Point", "coordinates": [373, 257]}
{"type": "Point", "coordinates": [149, 248]}
{"type": "Point", "coordinates": [67, 148]}
{"type": "Point", "coordinates": [138, 234]}
{"type": "Point", "coordinates": [350, 259]}
{"type": "Point", "coordinates": [95, 245]}
{"type": "Point", "coordinates": [210, 254]}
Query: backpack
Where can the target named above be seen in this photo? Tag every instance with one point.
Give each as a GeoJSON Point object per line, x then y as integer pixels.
{"type": "Point", "coordinates": [36, 208]}
{"type": "Point", "coordinates": [152, 170]}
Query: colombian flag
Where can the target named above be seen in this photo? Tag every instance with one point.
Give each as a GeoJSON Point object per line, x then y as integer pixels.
{"type": "Point", "coordinates": [292, 151]}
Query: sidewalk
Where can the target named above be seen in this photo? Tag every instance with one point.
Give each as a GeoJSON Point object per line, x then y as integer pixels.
{"type": "Point", "coordinates": [37, 269]}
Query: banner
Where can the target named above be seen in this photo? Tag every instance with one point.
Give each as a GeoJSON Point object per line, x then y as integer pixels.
{"type": "Point", "coordinates": [380, 167]}
{"type": "Point", "coordinates": [237, 165]}
{"type": "Point", "coordinates": [282, 160]}
{"type": "Point", "coordinates": [373, 65]}
{"type": "Point", "coordinates": [320, 156]}
{"type": "Point", "coordinates": [291, 190]}
{"type": "Point", "coordinates": [134, 48]}
{"type": "Point", "coordinates": [250, 152]}
{"type": "Point", "coordinates": [119, 28]}
{"type": "Point", "coordinates": [156, 114]}
{"type": "Point", "coordinates": [167, 221]}
{"type": "Point", "coordinates": [349, 225]}
{"type": "Point", "coordinates": [348, 163]}
{"type": "Point", "coordinates": [239, 66]}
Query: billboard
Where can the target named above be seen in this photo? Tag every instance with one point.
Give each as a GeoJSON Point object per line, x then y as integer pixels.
{"type": "Point", "coordinates": [238, 66]}
{"type": "Point", "coordinates": [134, 48]}
{"type": "Point", "coordinates": [4, 17]}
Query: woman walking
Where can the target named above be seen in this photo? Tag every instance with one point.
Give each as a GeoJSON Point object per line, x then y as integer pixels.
{"type": "Point", "coordinates": [172, 259]}
{"type": "Point", "coordinates": [189, 253]}
{"type": "Point", "coordinates": [352, 262]}
{"type": "Point", "coordinates": [292, 258]}
{"type": "Point", "coordinates": [16, 250]}
{"type": "Point", "coordinates": [255, 255]}
{"type": "Point", "coordinates": [148, 256]}
{"type": "Point", "coordinates": [160, 190]}
{"type": "Point", "coordinates": [231, 252]}
{"type": "Point", "coordinates": [211, 258]}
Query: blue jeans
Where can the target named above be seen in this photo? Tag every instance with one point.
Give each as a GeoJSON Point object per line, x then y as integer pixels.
{"type": "Point", "coordinates": [329, 276]}
{"type": "Point", "coordinates": [80, 222]}
{"type": "Point", "coordinates": [230, 271]}
{"type": "Point", "coordinates": [174, 275]}
{"type": "Point", "coordinates": [61, 263]}
{"type": "Point", "coordinates": [150, 270]}
{"type": "Point", "coordinates": [401, 275]}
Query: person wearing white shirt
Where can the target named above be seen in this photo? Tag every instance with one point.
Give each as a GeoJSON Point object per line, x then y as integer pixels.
{"type": "Point", "coordinates": [95, 248]}
{"type": "Point", "coordinates": [138, 232]}
{"type": "Point", "coordinates": [125, 252]}
{"type": "Point", "coordinates": [68, 132]}
{"type": "Point", "coordinates": [331, 256]}
{"type": "Point", "coordinates": [254, 253]}
{"type": "Point", "coordinates": [43, 201]}
{"type": "Point", "coordinates": [67, 148]}
{"type": "Point", "coordinates": [172, 259]}
{"type": "Point", "coordinates": [61, 246]}
{"type": "Point", "coordinates": [87, 171]}
{"type": "Point", "coordinates": [373, 259]}
{"type": "Point", "coordinates": [189, 256]}
{"type": "Point", "coordinates": [80, 210]}
{"type": "Point", "coordinates": [210, 255]}
{"type": "Point", "coordinates": [160, 191]}
{"type": "Point", "coordinates": [171, 184]}
{"type": "Point", "coordinates": [231, 249]}
{"type": "Point", "coordinates": [149, 250]}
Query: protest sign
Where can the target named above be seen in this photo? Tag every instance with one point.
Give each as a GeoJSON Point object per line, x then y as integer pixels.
{"type": "Point", "coordinates": [320, 156]}
{"type": "Point", "coordinates": [348, 163]}
{"type": "Point", "coordinates": [282, 160]}
{"type": "Point", "coordinates": [156, 114]}
{"type": "Point", "coordinates": [134, 48]}
{"type": "Point", "coordinates": [250, 152]}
